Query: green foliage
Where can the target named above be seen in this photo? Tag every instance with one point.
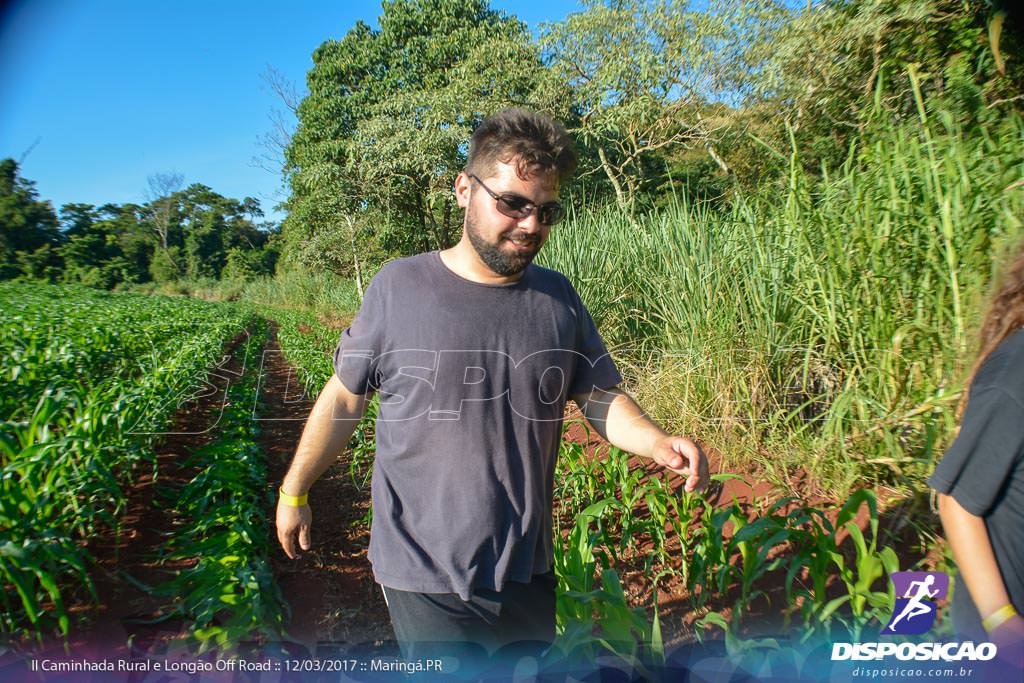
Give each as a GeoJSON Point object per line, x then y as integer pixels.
{"type": "Point", "coordinates": [229, 594]}
{"type": "Point", "coordinates": [827, 324]}
{"type": "Point", "coordinates": [89, 381]}
{"type": "Point", "coordinates": [241, 264]}
{"type": "Point", "coordinates": [103, 246]}
{"type": "Point", "coordinates": [844, 63]}
{"type": "Point", "coordinates": [383, 131]}
{"type": "Point", "coordinates": [725, 555]}
{"type": "Point", "coordinates": [191, 233]}
{"type": "Point", "coordinates": [165, 266]}
{"type": "Point", "coordinates": [593, 612]}
{"type": "Point", "coordinates": [206, 226]}
{"type": "Point", "coordinates": [643, 75]}
{"type": "Point", "coordinates": [308, 345]}
{"type": "Point", "coordinates": [323, 294]}
{"type": "Point", "coordinates": [28, 226]}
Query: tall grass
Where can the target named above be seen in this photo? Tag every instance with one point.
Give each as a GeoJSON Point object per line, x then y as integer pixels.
{"type": "Point", "coordinates": [328, 296]}
{"type": "Point", "coordinates": [823, 324]}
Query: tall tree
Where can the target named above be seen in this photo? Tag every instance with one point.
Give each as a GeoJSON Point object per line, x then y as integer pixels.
{"type": "Point", "coordinates": [383, 129]}
{"type": "Point", "coordinates": [159, 196]}
{"type": "Point", "coordinates": [104, 246]}
{"type": "Point", "coordinates": [27, 224]}
{"type": "Point", "coordinates": [644, 74]}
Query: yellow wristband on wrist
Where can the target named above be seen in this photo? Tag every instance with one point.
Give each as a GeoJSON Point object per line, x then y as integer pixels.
{"type": "Point", "coordinates": [297, 501]}
{"type": "Point", "coordinates": [996, 619]}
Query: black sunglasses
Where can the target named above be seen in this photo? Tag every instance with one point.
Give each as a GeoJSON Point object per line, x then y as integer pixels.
{"type": "Point", "coordinates": [515, 206]}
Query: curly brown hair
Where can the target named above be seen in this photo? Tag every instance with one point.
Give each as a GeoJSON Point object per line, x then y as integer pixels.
{"type": "Point", "coordinates": [537, 143]}
{"type": "Point", "coordinates": [1004, 317]}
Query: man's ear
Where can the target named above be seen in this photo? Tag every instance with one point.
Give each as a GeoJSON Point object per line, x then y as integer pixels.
{"type": "Point", "coordinates": [462, 187]}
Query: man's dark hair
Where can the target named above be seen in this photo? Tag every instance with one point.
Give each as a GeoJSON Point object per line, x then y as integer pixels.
{"type": "Point", "coordinates": [537, 143]}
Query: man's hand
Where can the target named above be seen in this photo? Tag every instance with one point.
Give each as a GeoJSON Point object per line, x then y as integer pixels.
{"type": "Point", "coordinates": [682, 455]}
{"type": "Point", "coordinates": [330, 425]}
{"type": "Point", "coordinates": [292, 519]}
{"type": "Point", "coordinates": [617, 418]}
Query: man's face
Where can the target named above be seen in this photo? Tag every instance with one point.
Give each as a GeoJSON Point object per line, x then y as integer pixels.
{"type": "Point", "coordinates": [505, 245]}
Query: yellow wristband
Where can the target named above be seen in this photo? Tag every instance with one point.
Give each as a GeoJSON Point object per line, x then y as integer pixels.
{"type": "Point", "coordinates": [297, 501]}
{"type": "Point", "coordinates": [996, 619]}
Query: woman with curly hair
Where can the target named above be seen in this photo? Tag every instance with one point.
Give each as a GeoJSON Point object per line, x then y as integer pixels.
{"type": "Point", "coordinates": [980, 480]}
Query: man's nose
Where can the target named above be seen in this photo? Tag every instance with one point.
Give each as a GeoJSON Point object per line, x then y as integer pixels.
{"type": "Point", "coordinates": [530, 223]}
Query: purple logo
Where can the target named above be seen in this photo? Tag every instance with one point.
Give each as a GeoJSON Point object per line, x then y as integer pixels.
{"type": "Point", "coordinates": [916, 593]}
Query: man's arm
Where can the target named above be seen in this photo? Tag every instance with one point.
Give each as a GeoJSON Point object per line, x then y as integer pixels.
{"type": "Point", "coordinates": [328, 429]}
{"type": "Point", "coordinates": [618, 418]}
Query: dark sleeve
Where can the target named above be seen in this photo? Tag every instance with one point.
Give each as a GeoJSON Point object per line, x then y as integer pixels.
{"type": "Point", "coordinates": [595, 369]}
{"type": "Point", "coordinates": [357, 356]}
{"type": "Point", "coordinates": [991, 440]}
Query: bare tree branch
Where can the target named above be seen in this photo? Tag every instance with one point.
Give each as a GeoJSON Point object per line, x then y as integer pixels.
{"type": "Point", "coordinates": [275, 142]}
{"type": "Point", "coordinates": [283, 88]}
{"type": "Point", "coordinates": [35, 143]}
{"type": "Point", "coordinates": [160, 187]}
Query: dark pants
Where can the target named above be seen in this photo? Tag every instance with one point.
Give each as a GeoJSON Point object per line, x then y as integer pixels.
{"type": "Point", "coordinates": [519, 621]}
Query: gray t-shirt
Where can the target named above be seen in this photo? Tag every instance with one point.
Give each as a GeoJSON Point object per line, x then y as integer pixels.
{"type": "Point", "coordinates": [984, 471]}
{"type": "Point", "coordinates": [473, 381]}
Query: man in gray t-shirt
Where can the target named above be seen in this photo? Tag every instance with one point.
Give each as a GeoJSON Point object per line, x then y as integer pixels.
{"type": "Point", "coordinates": [474, 352]}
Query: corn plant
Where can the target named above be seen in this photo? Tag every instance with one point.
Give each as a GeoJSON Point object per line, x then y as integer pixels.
{"type": "Point", "coordinates": [364, 446]}
{"type": "Point", "coordinates": [83, 370]}
{"type": "Point", "coordinates": [754, 540]}
{"type": "Point", "coordinates": [750, 654]}
{"type": "Point", "coordinates": [306, 344]}
{"type": "Point", "coordinates": [819, 555]}
{"type": "Point", "coordinates": [869, 565]}
{"type": "Point", "coordinates": [576, 482]}
{"type": "Point", "coordinates": [229, 593]}
{"type": "Point", "coordinates": [592, 610]}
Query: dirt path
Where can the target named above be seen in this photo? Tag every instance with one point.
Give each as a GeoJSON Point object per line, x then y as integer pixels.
{"type": "Point", "coordinates": [330, 588]}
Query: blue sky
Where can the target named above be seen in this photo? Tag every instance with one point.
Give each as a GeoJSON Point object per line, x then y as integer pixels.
{"type": "Point", "coordinates": [112, 91]}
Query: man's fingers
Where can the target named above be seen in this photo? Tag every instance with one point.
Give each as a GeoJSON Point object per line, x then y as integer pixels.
{"type": "Point", "coordinates": [674, 462]}
{"type": "Point", "coordinates": [698, 467]}
{"type": "Point", "coordinates": [683, 456]}
{"type": "Point", "coordinates": [292, 521]}
{"type": "Point", "coordinates": [693, 480]}
{"type": "Point", "coordinates": [673, 459]}
{"type": "Point", "coordinates": [698, 478]}
{"type": "Point", "coordinates": [287, 542]}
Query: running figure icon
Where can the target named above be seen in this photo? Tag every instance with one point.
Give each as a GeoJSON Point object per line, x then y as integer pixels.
{"type": "Point", "coordinates": [916, 606]}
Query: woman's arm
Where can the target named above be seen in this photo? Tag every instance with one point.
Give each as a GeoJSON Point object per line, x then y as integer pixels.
{"type": "Point", "coordinates": [973, 553]}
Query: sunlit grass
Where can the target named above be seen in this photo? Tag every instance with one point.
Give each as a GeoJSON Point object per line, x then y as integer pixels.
{"type": "Point", "coordinates": [823, 324]}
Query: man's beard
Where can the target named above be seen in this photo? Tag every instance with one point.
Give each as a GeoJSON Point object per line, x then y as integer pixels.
{"type": "Point", "coordinates": [501, 262]}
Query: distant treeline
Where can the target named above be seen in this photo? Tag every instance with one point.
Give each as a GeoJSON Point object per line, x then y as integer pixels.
{"type": "Point", "coordinates": [190, 233]}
